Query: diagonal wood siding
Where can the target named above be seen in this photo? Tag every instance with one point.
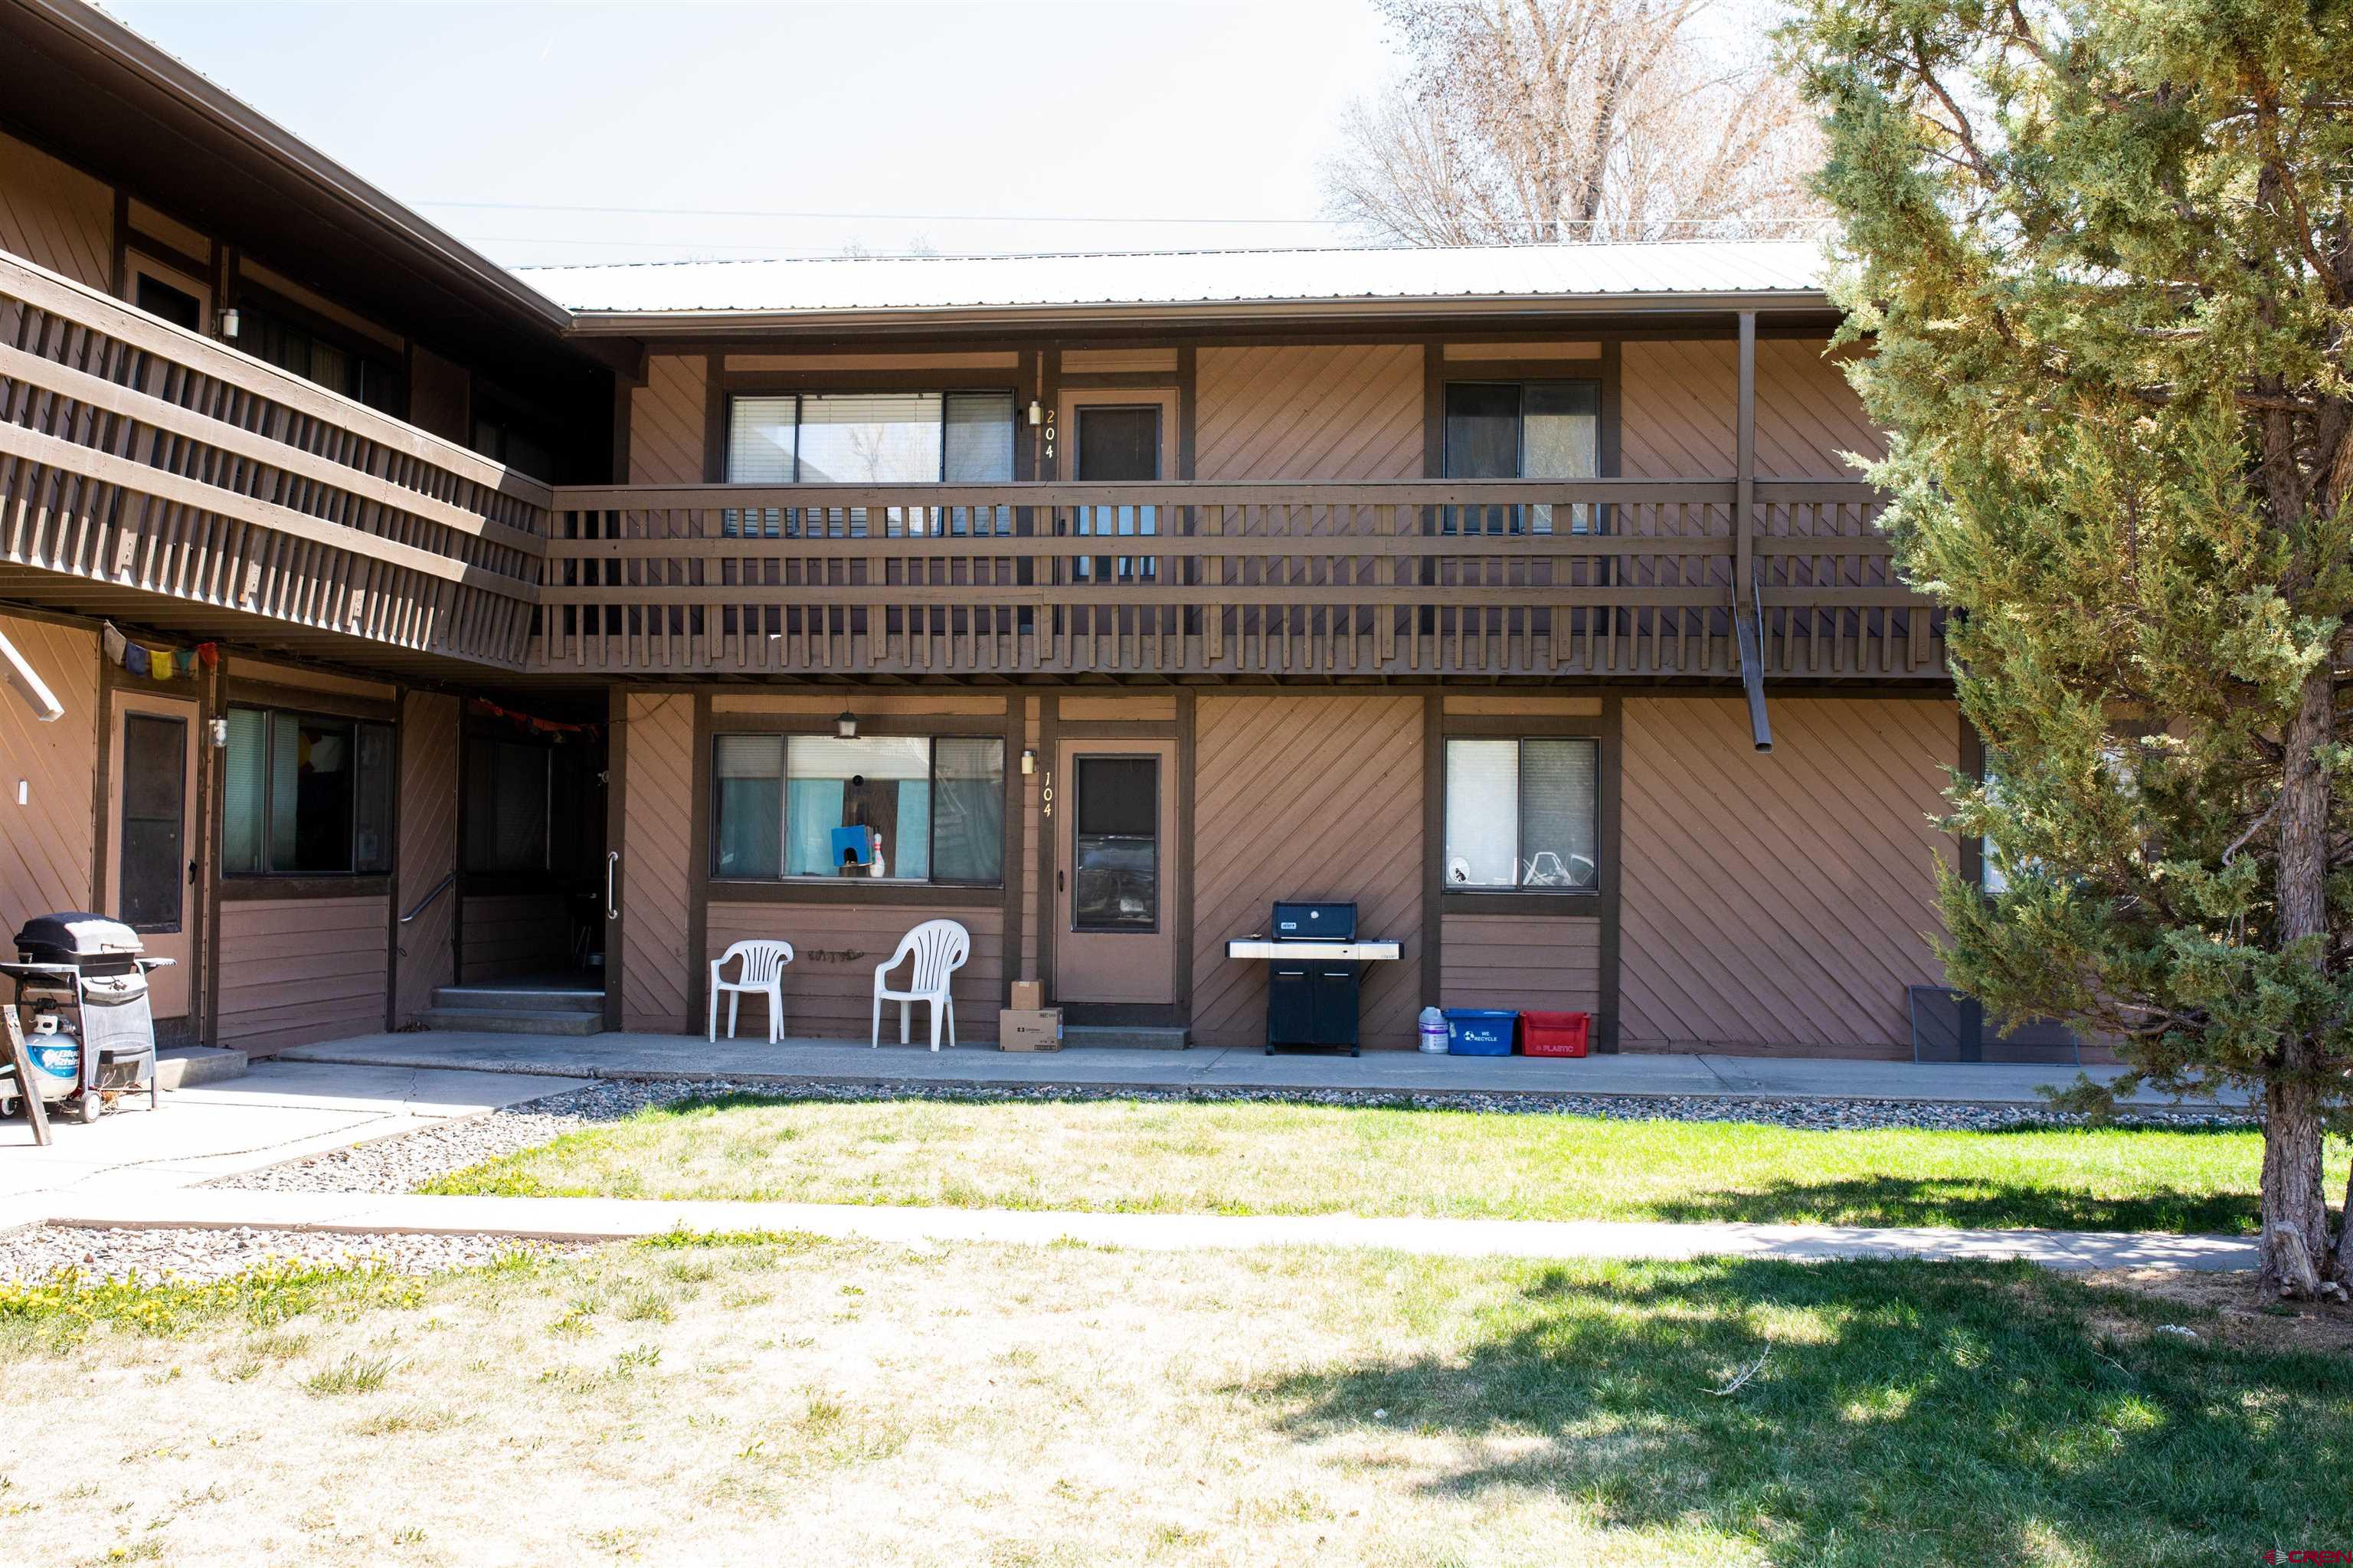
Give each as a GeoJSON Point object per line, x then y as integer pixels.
{"type": "Point", "coordinates": [666, 422]}
{"type": "Point", "coordinates": [55, 216]}
{"type": "Point", "coordinates": [428, 846]}
{"type": "Point", "coordinates": [1779, 902]}
{"type": "Point", "coordinates": [657, 808]}
{"type": "Point", "coordinates": [829, 984]}
{"type": "Point", "coordinates": [294, 971]}
{"type": "Point", "coordinates": [1305, 798]}
{"type": "Point", "coordinates": [1349, 412]}
{"type": "Point", "coordinates": [47, 844]}
{"type": "Point", "coordinates": [1678, 400]}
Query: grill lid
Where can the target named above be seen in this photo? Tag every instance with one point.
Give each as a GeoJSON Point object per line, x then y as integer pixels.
{"type": "Point", "coordinates": [1313, 922]}
{"type": "Point", "coordinates": [76, 936]}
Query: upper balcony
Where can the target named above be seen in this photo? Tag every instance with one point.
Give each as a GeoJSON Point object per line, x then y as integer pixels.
{"type": "Point", "coordinates": [149, 474]}
{"type": "Point", "coordinates": [152, 475]}
{"type": "Point", "coordinates": [1211, 582]}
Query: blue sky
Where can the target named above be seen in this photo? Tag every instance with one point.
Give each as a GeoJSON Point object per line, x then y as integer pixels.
{"type": "Point", "coordinates": [958, 125]}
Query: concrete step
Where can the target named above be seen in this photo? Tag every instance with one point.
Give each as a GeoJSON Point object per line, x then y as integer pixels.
{"type": "Point", "coordinates": [482, 998]}
{"type": "Point", "coordinates": [1121, 1036]}
{"type": "Point", "coordinates": [512, 1020]}
{"type": "Point", "coordinates": [185, 1066]}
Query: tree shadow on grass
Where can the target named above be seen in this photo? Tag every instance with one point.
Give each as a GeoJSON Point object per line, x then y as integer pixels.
{"type": "Point", "coordinates": [1909, 1414]}
{"type": "Point", "coordinates": [1986, 1202]}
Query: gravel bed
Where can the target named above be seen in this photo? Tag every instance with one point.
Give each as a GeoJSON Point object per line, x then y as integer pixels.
{"type": "Point", "coordinates": [198, 1255]}
{"type": "Point", "coordinates": [403, 1164]}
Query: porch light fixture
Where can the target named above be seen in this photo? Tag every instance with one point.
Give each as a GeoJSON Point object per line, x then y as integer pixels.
{"type": "Point", "coordinates": [228, 325]}
{"type": "Point", "coordinates": [1037, 412]}
{"type": "Point", "coordinates": [845, 724]}
{"type": "Point", "coordinates": [1029, 761]}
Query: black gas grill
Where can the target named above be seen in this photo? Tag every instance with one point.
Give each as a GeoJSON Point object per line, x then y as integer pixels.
{"type": "Point", "coordinates": [1314, 961]}
{"type": "Point", "coordinates": [85, 977]}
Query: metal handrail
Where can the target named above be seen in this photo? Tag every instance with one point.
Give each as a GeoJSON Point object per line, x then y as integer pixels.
{"type": "Point", "coordinates": [440, 888]}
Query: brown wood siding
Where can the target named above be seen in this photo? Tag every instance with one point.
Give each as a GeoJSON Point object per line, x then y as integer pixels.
{"type": "Point", "coordinates": [658, 811]}
{"type": "Point", "coordinates": [296, 971]}
{"type": "Point", "coordinates": [48, 844]}
{"type": "Point", "coordinates": [428, 847]}
{"type": "Point", "coordinates": [1305, 798]}
{"type": "Point", "coordinates": [829, 985]}
{"type": "Point", "coordinates": [55, 216]}
{"type": "Point", "coordinates": [666, 431]}
{"type": "Point", "coordinates": [1526, 962]}
{"type": "Point", "coordinates": [511, 934]}
{"type": "Point", "coordinates": [1351, 412]}
{"type": "Point", "coordinates": [1677, 402]}
{"type": "Point", "coordinates": [1779, 902]}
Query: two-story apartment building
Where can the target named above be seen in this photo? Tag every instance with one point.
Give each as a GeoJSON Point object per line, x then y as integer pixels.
{"type": "Point", "coordinates": [553, 624]}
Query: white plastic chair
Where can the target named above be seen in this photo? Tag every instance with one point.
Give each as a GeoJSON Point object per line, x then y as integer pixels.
{"type": "Point", "coordinates": [939, 949]}
{"type": "Point", "coordinates": [764, 972]}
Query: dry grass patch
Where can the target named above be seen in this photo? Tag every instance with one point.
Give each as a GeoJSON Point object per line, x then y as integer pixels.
{"type": "Point", "coordinates": [855, 1404]}
{"type": "Point", "coordinates": [1264, 1157]}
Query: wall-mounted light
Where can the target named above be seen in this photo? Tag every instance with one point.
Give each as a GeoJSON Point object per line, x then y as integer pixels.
{"type": "Point", "coordinates": [1029, 762]}
{"type": "Point", "coordinates": [228, 325]}
{"type": "Point", "coordinates": [845, 724]}
{"type": "Point", "coordinates": [1037, 412]}
{"type": "Point", "coordinates": [216, 732]}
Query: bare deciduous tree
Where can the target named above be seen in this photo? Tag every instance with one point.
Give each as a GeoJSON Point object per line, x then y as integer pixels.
{"type": "Point", "coordinates": [1543, 122]}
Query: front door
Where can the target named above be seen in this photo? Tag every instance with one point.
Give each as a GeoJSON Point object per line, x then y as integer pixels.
{"type": "Point", "coordinates": [151, 855]}
{"type": "Point", "coordinates": [1117, 438]}
{"type": "Point", "coordinates": [1113, 891]}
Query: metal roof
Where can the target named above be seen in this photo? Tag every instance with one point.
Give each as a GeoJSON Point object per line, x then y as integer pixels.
{"type": "Point", "coordinates": [1680, 274]}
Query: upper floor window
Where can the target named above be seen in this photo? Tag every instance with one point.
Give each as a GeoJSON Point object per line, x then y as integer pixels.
{"type": "Point", "coordinates": [306, 795]}
{"type": "Point", "coordinates": [338, 363]}
{"type": "Point", "coordinates": [1522, 816]}
{"type": "Point", "coordinates": [869, 438]}
{"type": "Point", "coordinates": [1522, 429]}
{"type": "Point", "coordinates": [892, 808]}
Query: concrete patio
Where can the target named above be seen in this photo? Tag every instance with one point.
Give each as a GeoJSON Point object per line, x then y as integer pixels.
{"type": "Point", "coordinates": [801, 1061]}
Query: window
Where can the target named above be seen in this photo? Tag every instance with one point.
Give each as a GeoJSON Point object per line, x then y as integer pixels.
{"type": "Point", "coordinates": [339, 366]}
{"type": "Point", "coordinates": [1523, 815]}
{"type": "Point", "coordinates": [306, 796]}
{"type": "Point", "coordinates": [896, 809]}
{"type": "Point", "coordinates": [508, 801]}
{"type": "Point", "coordinates": [869, 438]}
{"type": "Point", "coordinates": [1521, 430]}
{"type": "Point", "coordinates": [177, 306]}
{"type": "Point", "coordinates": [1116, 844]}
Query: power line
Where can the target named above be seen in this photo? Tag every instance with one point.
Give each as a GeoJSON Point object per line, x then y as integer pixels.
{"type": "Point", "coordinates": [1547, 223]}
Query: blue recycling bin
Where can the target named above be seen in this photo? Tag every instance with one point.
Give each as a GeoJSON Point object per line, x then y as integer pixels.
{"type": "Point", "coordinates": [1480, 1031]}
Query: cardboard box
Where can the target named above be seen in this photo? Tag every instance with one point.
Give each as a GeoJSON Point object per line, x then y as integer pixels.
{"type": "Point", "coordinates": [1029, 1029]}
{"type": "Point", "coordinates": [1028, 996]}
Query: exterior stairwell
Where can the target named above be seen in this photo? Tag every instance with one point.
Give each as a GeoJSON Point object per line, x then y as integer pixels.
{"type": "Point", "coordinates": [497, 1010]}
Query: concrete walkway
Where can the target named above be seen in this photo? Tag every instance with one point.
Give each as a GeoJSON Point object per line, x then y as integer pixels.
{"type": "Point", "coordinates": [624, 1056]}
{"type": "Point", "coordinates": [618, 1219]}
{"type": "Point", "coordinates": [279, 1111]}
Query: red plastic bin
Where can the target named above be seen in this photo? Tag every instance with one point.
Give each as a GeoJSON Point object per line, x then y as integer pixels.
{"type": "Point", "coordinates": [1555, 1033]}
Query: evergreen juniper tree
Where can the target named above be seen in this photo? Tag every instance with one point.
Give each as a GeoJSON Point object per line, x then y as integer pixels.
{"type": "Point", "coordinates": [2102, 254]}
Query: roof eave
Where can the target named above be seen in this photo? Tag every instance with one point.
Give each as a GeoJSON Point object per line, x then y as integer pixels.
{"type": "Point", "coordinates": [770, 323]}
{"type": "Point", "coordinates": [95, 30]}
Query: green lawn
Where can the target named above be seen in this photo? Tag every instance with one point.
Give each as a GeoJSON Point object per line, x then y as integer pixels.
{"type": "Point", "coordinates": [1271, 1158]}
{"type": "Point", "coordinates": [785, 1400]}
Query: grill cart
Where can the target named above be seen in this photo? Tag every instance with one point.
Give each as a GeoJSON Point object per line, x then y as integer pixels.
{"type": "Point", "coordinates": [90, 1035]}
{"type": "Point", "coordinates": [1317, 960]}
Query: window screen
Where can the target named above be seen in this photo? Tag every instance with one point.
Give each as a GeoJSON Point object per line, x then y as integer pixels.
{"type": "Point", "coordinates": [155, 803]}
{"type": "Point", "coordinates": [1523, 815]}
{"type": "Point", "coordinates": [1522, 429]}
{"type": "Point", "coordinates": [506, 805]}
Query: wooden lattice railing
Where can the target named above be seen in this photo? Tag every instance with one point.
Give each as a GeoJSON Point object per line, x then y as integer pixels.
{"type": "Point", "coordinates": [143, 456]}
{"type": "Point", "coordinates": [1494, 578]}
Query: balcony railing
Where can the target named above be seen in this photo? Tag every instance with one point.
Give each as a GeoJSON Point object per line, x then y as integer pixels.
{"type": "Point", "coordinates": [1612, 577]}
{"type": "Point", "coordinates": [140, 459]}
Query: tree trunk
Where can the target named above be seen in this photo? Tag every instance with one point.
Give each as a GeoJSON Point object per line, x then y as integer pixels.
{"type": "Point", "coordinates": [2294, 1206]}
